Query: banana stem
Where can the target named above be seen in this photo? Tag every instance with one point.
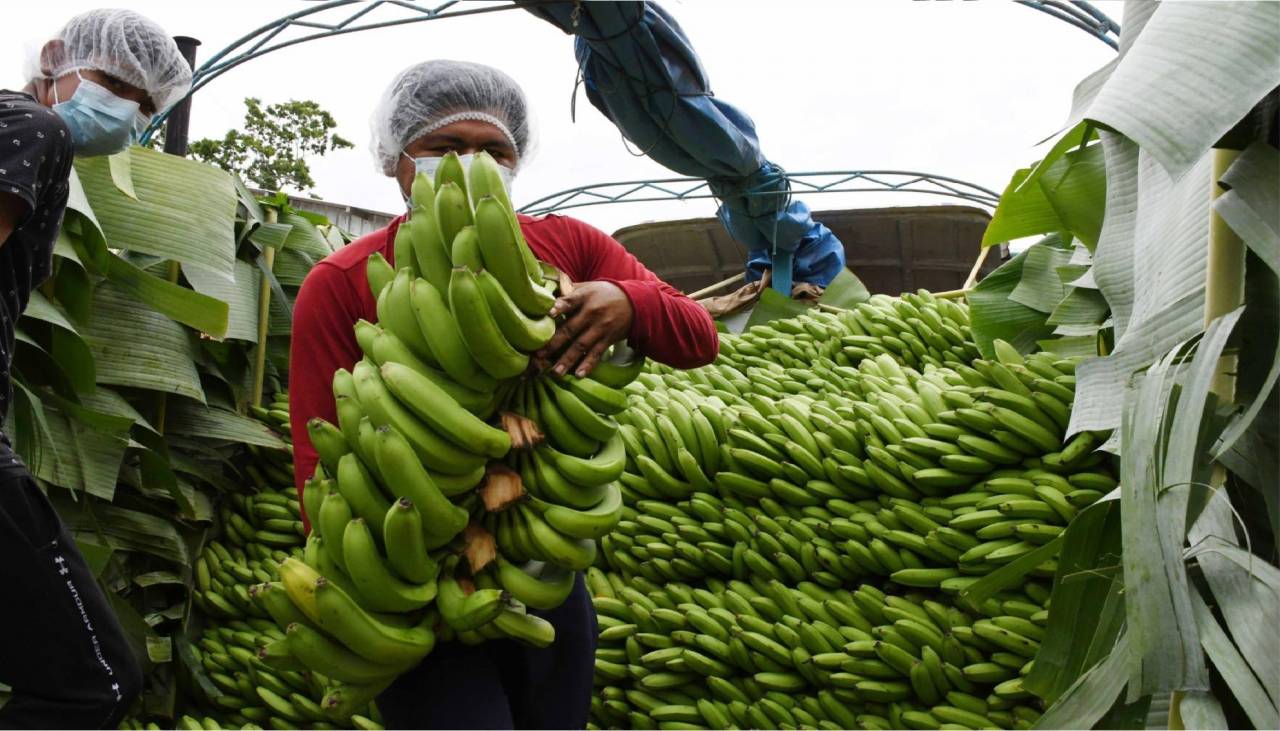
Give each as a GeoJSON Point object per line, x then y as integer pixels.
{"type": "Point", "coordinates": [718, 286]}
{"type": "Point", "coordinates": [163, 408]}
{"type": "Point", "coordinates": [1224, 278]}
{"type": "Point", "coordinates": [264, 319]}
{"type": "Point", "coordinates": [977, 265]}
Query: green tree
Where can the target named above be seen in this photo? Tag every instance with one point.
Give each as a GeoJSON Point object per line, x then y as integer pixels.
{"type": "Point", "coordinates": [271, 149]}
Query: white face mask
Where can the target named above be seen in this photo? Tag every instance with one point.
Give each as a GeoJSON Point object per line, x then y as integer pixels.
{"type": "Point", "coordinates": [429, 165]}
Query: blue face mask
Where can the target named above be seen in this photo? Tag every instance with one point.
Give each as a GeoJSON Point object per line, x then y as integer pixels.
{"type": "Point", "coordinates": [100, 122]}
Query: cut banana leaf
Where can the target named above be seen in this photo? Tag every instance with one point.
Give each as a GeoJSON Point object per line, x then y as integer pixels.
{"type": "Point", "coordinates": [1023, 211]}
{"type": "Point", "coordinates": [1249, 209]}
{"type": "Point", "coordinates": [1075, 188]}
{"type": "Point", "coordinates": [774, 305]}
{"type": "Point", "coordinates": [1215, 59]}
{"type": "Point", "coordinates": [1226, 658]}
{"type": "Point", "coordinates": [304, 238]}
{"type": "Point", "coordinates": [166, 219]}
{"type": "Point", "coordinates": [846, 290]}
{"type": "Point", "coordinates": [1040, 286]}
{"type": "Point", "coordinates": [1087, 608]}
{"type": "Point", "coordinates": [1090, 697]}
{"type": "Point", "coordinates": [204, 313]}
{"type": "Point", "coordinates": [136, 346]}
{"type": "Point", "coordinates": [240, 295]}
{"type": "Point", "coordinates": [1157, 600]}
{"type": "Point", "coordinates": [40, 308]}
{"type": "Point", "coordinates": [1170, 237]}
{"type": "Point", "coordinates": [196, 420]}
{"type": "Point", "coordinates": [78, 457]}
{"type": "Point", "coordinates": [1245, 588]}
{"type": "Point", "coordinates": [994, 315]}
{"type": "Point", "coordinates": [124, 529]}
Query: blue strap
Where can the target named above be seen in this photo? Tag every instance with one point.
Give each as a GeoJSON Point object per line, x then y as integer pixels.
{"type": "Point", "coordinates": [781, 261]}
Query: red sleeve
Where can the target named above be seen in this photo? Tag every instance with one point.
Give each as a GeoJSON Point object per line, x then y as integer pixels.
{"type": "Point", "coordinates": [323, 341]}
{"type": "Point", "coordinates": [666, 325]}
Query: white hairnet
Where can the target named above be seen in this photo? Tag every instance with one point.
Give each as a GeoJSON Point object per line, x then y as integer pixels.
{"type": "Point", "coordinates": [432, 94]}
{"type": "Point", "coordinates": [122, 43]}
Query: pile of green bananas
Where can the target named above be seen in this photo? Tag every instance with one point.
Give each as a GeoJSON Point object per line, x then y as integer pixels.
{"type": "Point", "coordinates": [800, 525]}
{"type": "Point", "coordinates": [917, 330]}
{"type": "Point", "coordinates": [269, 469]}
{"type": "Point", "coordinates": [261, 528]}
{"type": "Point", "coordinates": [457, 490]}
{"type": "Point", "coordinates": [256, 690]}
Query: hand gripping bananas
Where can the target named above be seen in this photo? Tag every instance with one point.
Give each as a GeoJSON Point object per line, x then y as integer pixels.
{"type": "Point", "coordinates": [424, 524]}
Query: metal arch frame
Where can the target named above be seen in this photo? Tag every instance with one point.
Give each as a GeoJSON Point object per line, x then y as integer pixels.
{"type": "Point", "coordinates": [1078, 13]}
{"type": "Point", "coordinates": [259, 42]}
{"type": "Point", "coordinates": [840, 181]}
{"type": "Point", "coordinates": [1082, 15]}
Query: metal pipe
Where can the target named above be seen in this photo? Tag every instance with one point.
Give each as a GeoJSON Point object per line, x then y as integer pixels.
{"type": "Point", "coordinates": [179, 119]}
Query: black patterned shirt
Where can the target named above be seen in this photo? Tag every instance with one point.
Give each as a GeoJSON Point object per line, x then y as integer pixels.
{"type": "Point", "coordinates": [35, 162]}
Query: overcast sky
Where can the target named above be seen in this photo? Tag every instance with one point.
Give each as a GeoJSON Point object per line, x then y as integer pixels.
{"type": "Point", "coordinates": [963, 89]}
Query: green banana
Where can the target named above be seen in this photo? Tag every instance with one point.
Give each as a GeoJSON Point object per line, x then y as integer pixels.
{"type": "Point", "coordinates": [396, 314]}
{"type": "Point", "coordinates": [379, 272]}
{"type": "Point", "coordinates": [500, 247]}
{"type": "Point", "coordinates": [605, 467]}
{"type": "Point", "coordinates": [556, 425]}
{"type": "Point", "coordinates": [525, 333]}
{"type": "Point", "coordinates": [335, 513]}
{"type": "Point", "coordinates": [465, 251]}
{"type": "Point", "coordinates": [343, 618]}
{"type": "Point", "coordinates": [406, 544]}
{"type": "Point", "coordinates": [360, 492]}
{"type": "Point", "coordinates": [328, 441]}
{"type": "Point", "coordinates": [571, 553]}
{"type": "Point", "coordinates": [579, 414]}
{"type": "Point", "coordinates": [385, 411]}
{"type": "Point", "coordinates": [540, 586]}
{"type": "Point", "coordinates": [591, 523]}
{"type": "Point", "coordinates": [527, 628]}
{"type": "Point", "coordinates": [322, 654]}
{"type": "Point", "coordinates": [465, 612]}
{"type": "Point", "coordinates": [436, 407]}
{"type": "Point", "coordinates": [387, 348]}
{"type": "Point", "coordinates": [479, 330]}
{"type": "Point", "coordinates": [378, 587]}
{"type": "Point", "coordinates": [440, 328]}
{"type": "Point", "coordinates": [441, 519]}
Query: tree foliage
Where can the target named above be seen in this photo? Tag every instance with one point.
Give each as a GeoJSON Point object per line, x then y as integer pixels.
{"type": "Point", "coordinates": [271, 149]}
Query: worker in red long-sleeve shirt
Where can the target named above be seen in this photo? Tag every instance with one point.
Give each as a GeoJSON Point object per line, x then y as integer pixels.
{"type": "Point", "coordinates": [431, 109]}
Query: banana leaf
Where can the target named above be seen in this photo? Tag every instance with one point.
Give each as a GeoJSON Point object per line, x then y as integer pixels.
{"type": "Point", "coordinates": [196, 420]}
{"type": "Point", "coordinates": [240, 295]}
{"type": "Point", "coordinates": [1170, 236]}
{"type": "Point", "coordinates": [166, 219]}
{"type": "Point", "coordinates": [304, 238]}
{"type": "Point", "coordinates": [124, 529]}
{"type": "Point", "coordinates": [78, 457]}
{"type": "Point", "coordinates": [995, 315]}
{"type": "Point", "coordinates": [1092, 695]}
{"type": "Point", "coordinates": [1249, 208]}
{"type": "Point", "coordinates": [138, 347]}
{"type": "Point", "coordinates": [1195, 70]}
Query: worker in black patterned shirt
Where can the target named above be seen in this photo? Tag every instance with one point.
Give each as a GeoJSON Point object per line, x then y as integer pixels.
{"type": "Point", "coordinates": [92, 89]}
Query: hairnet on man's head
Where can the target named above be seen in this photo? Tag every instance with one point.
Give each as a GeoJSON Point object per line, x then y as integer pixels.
{"type": "Point", "coordinates": [427, 94]}
{"type": "Point", "coordinates": [122, 43]}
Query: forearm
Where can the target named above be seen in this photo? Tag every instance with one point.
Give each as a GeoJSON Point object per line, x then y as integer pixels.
{"type": "Point", "coordinates": [669, 327]}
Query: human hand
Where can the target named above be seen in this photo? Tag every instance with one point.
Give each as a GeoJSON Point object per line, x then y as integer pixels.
{"type": "Point", "coordinates": [597, 315]}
